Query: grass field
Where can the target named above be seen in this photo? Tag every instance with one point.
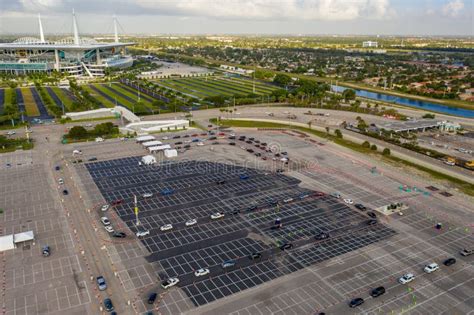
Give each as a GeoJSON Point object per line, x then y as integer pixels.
{"type": "Point", "coordinates": [98, 96]}
{"type": "Point", "coordinates": [115, 95]}
{"type": "Point", "coordinates": [119, 88]}
{"type": "Point", "coordinates": [7, 96]}
{"type": "Point", "coordinates": [67, 101]}
{"type": "Point", "coordinates": [213, 86]}
{"type": "Point", "coordinates": [30, 104]}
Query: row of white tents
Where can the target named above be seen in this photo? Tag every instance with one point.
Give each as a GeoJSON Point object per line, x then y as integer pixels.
{"type": "Point", "coordinates": [153, 146]}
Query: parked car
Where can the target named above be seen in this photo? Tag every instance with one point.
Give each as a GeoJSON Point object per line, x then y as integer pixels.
{"type": "Point", "coordinates": [360, 206]}
{"type": "Point", "coordinates": [60, 181]}
{"type": "Point", "coordinates": [152, 298]}
{"type": "Point", "coordinates": [449, 261]}
{"type": "Point", "coordinates": [217, 215]}
{"type": "Point", "coordinates": [166, 227]}
{"type": "Point", "coordinates": [371, 222]}
{"type": "Point", "coordinates": [105, 207]}
{"type": "Point", "coordinates": [201, 272]}
{"type": "Point", "coordinates": [243, 176]}
{"type": "Point", "coordinates": [356, 302]}
{"type": "Point", "coordinates": [117, 202]}
{"type": "Point", "coordinates": [372, 214]}
{"type": "Point", "coordinates": [105, 221]}
{"type": "Point", "coordinates": [221, 182]}
{"type": "Point", "coordinates": [348, 201]}
{"type": "Point", "coordinates": [336, 195]}
{"type": "Point", "coordinates": [254, 256]}
{"type": "Point", "coordinates": [431, 268]}
{"type": "Point", "coordinates": [287, 200]}
{"type": "Point", "coordinates": [190, 222]}
{"type": "Point", "coordinates": [228, 263]}
{"type": "Point", "coordinates": [406, 278]}
{"type": "Point", "coordinates": [109, 307]}
{"type": "Point", "coordinates": [119, 234]}
{"type": "Point", "coordinates": [377, 292]}
{"type": "Point", "coordinates": [65, 192]}
{"type": "Point", "coordinates": [92, 159]}
{"type": "Point", "coordinates": [147, 195]}
{"type": "Point", "coordinates": [466, 252]}
{"type": "Point", "coordinates": [101, 283]}
{"type": "Point", "coordinates": [109, 228]}
{"type": "Point", "coordinates": [286, 246]}
{"type": "Point", "coordinates": [57, 168]}
{"type": "Point", "coordinates": [169, 283]}
{"type": "Point", "coordinates": [321, 236]}
{"type": "Point", "coordinates": [143, 233]}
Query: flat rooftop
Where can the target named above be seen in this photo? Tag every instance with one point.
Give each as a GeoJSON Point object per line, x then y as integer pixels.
{"type": "Point", "coordinates": [51, 46]}
{"type": "Point", "coordinates": [398, 126]}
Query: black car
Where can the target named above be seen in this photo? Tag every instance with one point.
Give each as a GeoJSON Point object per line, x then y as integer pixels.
{"type": "Point", "coordinates": [249, 150]}
{"type": "Point", "coordinates": [254, 256]}
{"type": "Point", "coordinates": [186, 136]}
{"type": "Point", "coordinates": [257, 141]}
{"type": "Point", "coordinates": [251, 139]}
{"type": "Point", "coordinates": [371, 214]}
{"type": "Point", "coordinates": [277, 155]}
{"type": "Point", "coordinates": [258, 154]}
{"type": "Point", "coordinates": [264, 144]}
{"type": "Point", "coordinates": [187, 146]}
{"type": "Point", "coordinates": [252, 208]}
{"type": "Point", "coordinates": [235, 212]}
{"type": "Point", "coordinates": [284, 153]}
{"type": "Point", "coordinates": [371, 222]}
{"type": "Point", "coordinates": [177, 143]}
{"type": "Point", "coordinates": [92, 159]}
{"type": "Point", "coordinates": [241, 139]}
{"type": "Point", "coordinates": [377, 292]}
{"type": "Point", "coordinates": [449, 261]}
{"type": "Point", "coordinates": [360, 206]}
{"type": "Point", "coordinates": [232, 137]}
{"type": "Point", "coordinates": [109, 307]}
{"type": "Point", "coordinates": [231, 143]}
{"type": "Point", "coordinates": [119, 234]}
{"type": "Point", "coordinates": [356, 302]}
{"type": "Point", "coordinates": [248, 141]}
{"type": "Point", "coordinates": [321, 236]}
{"type": "Point", "coordinates": [215, 142]}
{"type": "Point", "coordinates": [65, 192]}
{"type": "Point", "coordinates": [152, 298]}
{"type": "Point", "coordinates": [279, 170]}
{"type": "Point", "coordinates": [285, 246]}
{"type": "Point", "coordinates": [57, 168]}
{"type": "Point", "coordinates": [220, 182]}
{"type": "Point", "coordinates": [176, 137]}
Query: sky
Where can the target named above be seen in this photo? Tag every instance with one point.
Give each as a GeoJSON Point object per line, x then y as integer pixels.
{"type": "Point", "coordinates": [314, 17]}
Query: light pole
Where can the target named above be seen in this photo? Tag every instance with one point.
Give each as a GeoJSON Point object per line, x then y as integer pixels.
{"type": "Point", "coordinates": [137, 222]}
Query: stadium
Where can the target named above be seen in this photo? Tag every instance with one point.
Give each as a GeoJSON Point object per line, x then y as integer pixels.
{"type": "Point", "coordinates": [73, 55]}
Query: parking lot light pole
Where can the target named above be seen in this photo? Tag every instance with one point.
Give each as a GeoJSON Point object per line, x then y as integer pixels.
{"type": "Point", "coordinates": [137, 223]}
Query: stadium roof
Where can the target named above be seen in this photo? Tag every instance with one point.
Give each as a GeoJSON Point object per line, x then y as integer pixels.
{"type": "Point", "coordinates": [49, 46]}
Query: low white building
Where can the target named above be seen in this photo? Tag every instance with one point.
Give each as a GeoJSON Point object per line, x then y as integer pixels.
{"type": "Point", "coordinates": [171, 153]}
{"type": "Point", "coordinates": [151, 143]}
{"type": "Point", "coordinates": [156, 126]}
{"type": "Point", "coordinates": [159, 148]}
{"type": "Point", "coordinates": [144, 138]}
{"type": "Point", "coordinates": [370, 44]}
{"type": "Point", "coordinates": [148, 160]}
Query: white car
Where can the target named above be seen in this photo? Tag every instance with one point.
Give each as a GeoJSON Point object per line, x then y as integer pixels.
{"type": "Point", "coordinates": [217, 215]}
{"type": "Point", "coordinates": [166, 227]}
{"type": "Point", "coordinates": [76, 152]}
{"type": "Point", "coordinates": [431, 268]}
{"type": "Point", "coordinates": [406, 278]}
{"type": "Point", "coordinates": [147, 195]}
{"type": "Point", "coordinates": [169, 283]}
{"type": "Point", "coordinates": [191, 222]}
{"type": "Point", "coordinates": [232, 135]}
{"type": "Point", "coordinates": [165, 138]}
{"type": "Point", "coordinates": [104, 207]}
{"type": "Point", "coordinates": [99, 139]}
{"type": "Point", "coordinates": [187, 141]}
{"type": "Point", "coordinates": [348, 201]}
{"type": "Point", "coordinates": [143, 233]}
{"type": "Point", "coordinates": [109, 228]}
{"type": "Point", "coordinates": [288, 200]}
{"type": "Point", "coordinates": [11, 133]}
{"type": "Point", "coordinates": [201, 272]}
{"type": "Point", "coordinates": [60, 181]}
{"type": "Point", "coordinates": [200, 144]}
{"type": "Point", "coordinates": [105, 221]}
{"type": "Point", "coordinates": [88, 125]}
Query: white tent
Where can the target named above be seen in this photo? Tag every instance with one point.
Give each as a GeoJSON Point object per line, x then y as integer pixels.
{"type": "Point", "coordinates": [159, 148]}
{"type": "Point", "coordinates": [171, 153]}
{"type": "Point", "coordinates": [151, 143]}
{"type": "Point", "coordinates": [23, 237]}
{"type": "Point", "coordinates": [148, 160]}
{"type": "Point", "coordinates": [6, 242]}
{"type": "Point", "coordinates": [145, 138]}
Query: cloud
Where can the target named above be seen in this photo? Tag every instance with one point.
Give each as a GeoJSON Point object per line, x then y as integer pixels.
{"type": "Point", "coordinates": [325, 10]}
{"type": "Point", "coordinates": [453, 8]}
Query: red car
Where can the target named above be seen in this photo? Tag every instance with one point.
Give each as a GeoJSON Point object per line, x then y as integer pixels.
{"type": "Point", "coordinates": [194, 135]}
{"type": "Point", "coordinates": [221, 134]}
{"type": "Point", "coordinates": [116, 202]}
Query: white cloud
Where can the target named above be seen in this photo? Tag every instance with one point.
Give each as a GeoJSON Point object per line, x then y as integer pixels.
{"type": "Point", "coordinates": [274, 9]}
{"type": "Point", "coordinates": [453, 8]}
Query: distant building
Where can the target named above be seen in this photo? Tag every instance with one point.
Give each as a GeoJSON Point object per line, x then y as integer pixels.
{"type": "Point", "coordinates": [369, 44]}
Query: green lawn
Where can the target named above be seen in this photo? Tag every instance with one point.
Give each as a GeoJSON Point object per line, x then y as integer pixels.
{"type": "Point", "coordinates": [120, 99]}
{"type": "Point", "coordinates": [118, 87]}
{"type": "Point", "coordinates": [30, 104]}
{"type": "Point", "coordinates": [67, 101]}
{"type": "Point", "coordinates": [99, 97]}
